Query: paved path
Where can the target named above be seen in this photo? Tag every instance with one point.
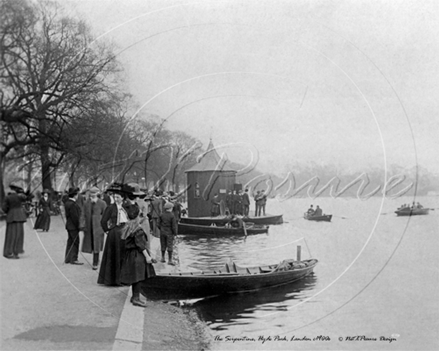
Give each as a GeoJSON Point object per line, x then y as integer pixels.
{"type": "Point", "coordinates": [46, 304]}
{"type": "Point", "coordinates": [49, 305]}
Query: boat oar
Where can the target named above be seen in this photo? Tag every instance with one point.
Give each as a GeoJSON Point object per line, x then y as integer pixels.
{"type": "Point", "coordinates": [341, 217]}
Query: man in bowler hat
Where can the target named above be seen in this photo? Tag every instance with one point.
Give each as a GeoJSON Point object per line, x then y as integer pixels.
{"type": "Point", "coordinates": [73, 226]}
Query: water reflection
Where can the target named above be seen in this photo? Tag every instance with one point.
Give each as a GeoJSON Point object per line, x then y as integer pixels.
{"type": "Point", "coordinates": [211, 253]}
{"type": "Point", "coordinates": [240, 309]}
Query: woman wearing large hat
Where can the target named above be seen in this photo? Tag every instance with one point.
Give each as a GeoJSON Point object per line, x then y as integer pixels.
{"type": "Point", "coordinates": [15, 218]}
{"type": "Point", "coordinates": [113, 221]}
{"type": "Point", "coordinates": [43, 219]}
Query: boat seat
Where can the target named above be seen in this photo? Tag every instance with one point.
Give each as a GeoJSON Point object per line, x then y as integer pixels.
{"type": "Point", "coordinates": [230, 269]}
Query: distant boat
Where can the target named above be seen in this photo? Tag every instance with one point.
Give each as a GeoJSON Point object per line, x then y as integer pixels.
{"type": "Point", "coordinates": [229, 280]}
{"type": "Point", "coordinates": [222, 220]}
{"type": "Point", "coordinates": [323, 218]}
{"type": "Point", "coordinates": [407, 211]}
{"type": "Point", "coordinates": [185, 229]}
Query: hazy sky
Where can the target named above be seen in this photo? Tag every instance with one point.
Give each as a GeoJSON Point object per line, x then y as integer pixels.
{"type": "Point", "coordinates": [347, 83]}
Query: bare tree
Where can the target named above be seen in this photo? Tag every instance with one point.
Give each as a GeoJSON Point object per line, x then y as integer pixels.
{"type": "Point", "coordinates": [50, 72]}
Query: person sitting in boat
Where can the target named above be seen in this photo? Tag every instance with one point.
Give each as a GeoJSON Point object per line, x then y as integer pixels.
{"type": "Point", "coordinates": [318, 211]}
{"type": "Point", "coordinates": [418, 205]}
{"type": "Point", "coordinates": [310, 211]}
{"type": "Point", "coordinates": [235, 222]}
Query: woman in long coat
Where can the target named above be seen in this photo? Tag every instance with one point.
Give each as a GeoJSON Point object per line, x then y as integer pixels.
{"type": "Point", "coordinates": [43, 218]}
{"type": "Point", "coordinates": [93, 210]}
{"type": "Point", "coordinates": [15, 218]}
{"type": "Point", "coordinates": [113, 222]}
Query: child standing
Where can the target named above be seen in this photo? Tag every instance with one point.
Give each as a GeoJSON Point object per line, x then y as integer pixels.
{"type": "Point", "coordinates": [168, 230]}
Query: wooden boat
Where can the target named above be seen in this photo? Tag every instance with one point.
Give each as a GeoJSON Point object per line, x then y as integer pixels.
{"type": "Point", "coordinates": [263, 220]}
{"type": "Point", "coordinates": [323, 218]}
{"type": "Point", "coordinates": [251, 229]}
{"type": "Point", "coordinates": [407, 211]}
{"type": "Point", "coordinates": [232, 279]}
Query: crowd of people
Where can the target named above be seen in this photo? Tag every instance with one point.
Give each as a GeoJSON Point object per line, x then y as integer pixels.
{"type": "Point", "coordinates": [127, 215]}
{"type": "Point", "coordinates": [238, 203]}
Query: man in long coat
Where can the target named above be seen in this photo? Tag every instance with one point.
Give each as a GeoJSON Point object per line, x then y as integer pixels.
{"type": "Point", "coordinates": [73, 226]}
{"type": "Point", "coordinates": [156, 210]}
{"type": "Point", "coordinates": [93, 241]}
{"type": "Point", "coordinates": [246, 202]}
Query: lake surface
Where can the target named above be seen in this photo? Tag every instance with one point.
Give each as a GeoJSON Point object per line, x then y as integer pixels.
{"type": "Point", "coordinates": [377, 277]}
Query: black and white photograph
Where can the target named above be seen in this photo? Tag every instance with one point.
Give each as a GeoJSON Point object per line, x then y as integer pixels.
{"type": "Point", "coordinates": [219, 175]}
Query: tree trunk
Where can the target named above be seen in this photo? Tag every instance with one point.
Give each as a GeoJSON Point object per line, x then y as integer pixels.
{"type": "Point", "coordinates": [45, 168]}
{"type": "Point", "coordinates": [2, 188]}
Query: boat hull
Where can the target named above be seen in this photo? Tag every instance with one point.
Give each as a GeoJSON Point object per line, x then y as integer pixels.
{"type": "Point", "coordinates": [414, 212]}
{"type": "Point", "coordinates": [205, 284]}
{"type": "Point", "coordinates": [193, 229]}
{"type": "Point", "coordinates": [207, 221]}
{"type": "Point", "coordinates": [325, 218]}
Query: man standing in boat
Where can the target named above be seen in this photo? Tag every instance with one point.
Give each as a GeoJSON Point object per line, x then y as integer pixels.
{"type": "Point", "coordinates": [246, 203]}
{"type": "Point", "coordinates": [257, 203]}
{"type": "Point", "coordinates": [215, 206]}
{"type": "Point", "coordinates": [263, 197]}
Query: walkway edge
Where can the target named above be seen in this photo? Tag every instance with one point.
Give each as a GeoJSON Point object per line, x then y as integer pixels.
{"type": "Point", "coordinates": [130, 333]}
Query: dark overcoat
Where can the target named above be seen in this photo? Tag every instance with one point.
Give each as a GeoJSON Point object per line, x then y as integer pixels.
{"type": "Point", "coordinates": [14, 209]}
{"type": "Point", "coordinates": [93, 232]}
{"type": "Point", "coordinates": [73, 215]}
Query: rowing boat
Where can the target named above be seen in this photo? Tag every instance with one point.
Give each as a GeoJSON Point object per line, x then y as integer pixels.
{"type": "Point", "coordinates": [229, 280]}
{"type": "Point", "coordinates": [323, 218]}
{"type": "Point", "coordinates": [412, 212]}
{"type": "Point", "coordinates": [188, 229]}
{"type": "Point", "coordinates": [221, 220]}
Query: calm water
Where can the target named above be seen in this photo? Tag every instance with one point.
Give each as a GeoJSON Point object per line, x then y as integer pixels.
{"type": "Point", "coordinates": [377, 276]}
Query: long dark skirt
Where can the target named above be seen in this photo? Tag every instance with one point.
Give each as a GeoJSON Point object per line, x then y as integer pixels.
{"type": "Point", "coordinates": [43, 221]}
{"type": "Point", "coordinates": [114, 252]}
{"type": "Point", "coordinates": [14, 239]}
{"type": "Point", "coordinates": [135, 268]}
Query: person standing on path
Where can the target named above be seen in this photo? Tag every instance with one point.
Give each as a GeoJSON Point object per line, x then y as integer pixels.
{"type": "Point", "coordinates": [15, 218]}
{"type": "Point", "coordinates": [156, 211]}
{"type": "Point", "coordinates": [43, 219]}
{"type": "Point", "coordinates": [168, 230]}
{"type": "Point", "coordinates": [144, 221]}
{"type": "Point", "coordinates": [137, 262]}
{"type": "Point", "coordinates": [93, 211]}
{"type": "Point", "coordinates": [113, 221]}
{"type": "Point", "coordinates": [73, 226]}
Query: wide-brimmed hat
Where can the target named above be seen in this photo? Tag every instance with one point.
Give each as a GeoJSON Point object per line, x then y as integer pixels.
{"type": "Point", "coordinates": [73, 191]}
{"type": "Point", "coordinates": [94, 190]}
{"type": "Point", "coordinates": [115, 188]}
{"type": "Point", "coordinates": [134, 189]}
